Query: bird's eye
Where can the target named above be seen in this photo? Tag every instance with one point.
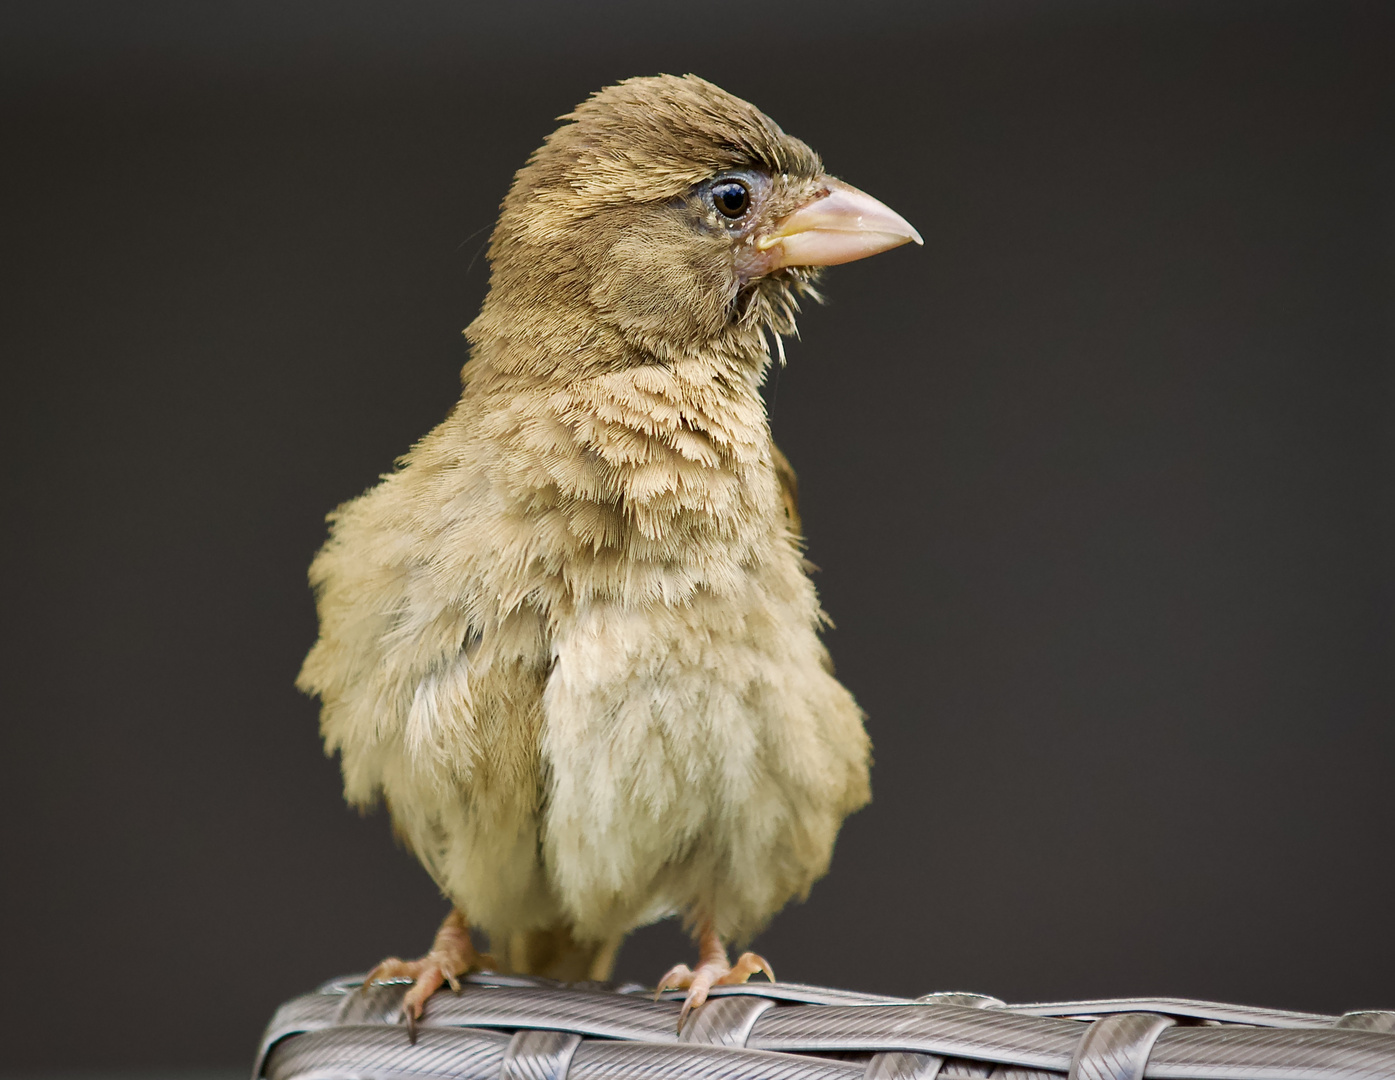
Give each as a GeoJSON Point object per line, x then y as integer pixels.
{"type": "Point", "coordinates": [732, 197]}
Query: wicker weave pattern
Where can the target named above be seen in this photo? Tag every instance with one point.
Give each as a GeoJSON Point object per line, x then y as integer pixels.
{"type": "Point", "coordinates": [508, 1028]}
{"type": "Point", "coordinates": [1116, 1047]}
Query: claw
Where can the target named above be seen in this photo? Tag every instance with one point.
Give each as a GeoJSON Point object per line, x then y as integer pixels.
{"type": "Point", "coordinates": [676, 978]}
{"type": "Point", "coordinates": [745, 967]}
{"type": "Point", "coordinates": [451, 956]}
{"type": "Point", "coordinates": [691, 1002]}
{"type": "Point", "coordinates": [713, 970]}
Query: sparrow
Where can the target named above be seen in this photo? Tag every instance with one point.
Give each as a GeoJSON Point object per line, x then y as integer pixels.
{"type": "Point", "coordinates": [571, 642]}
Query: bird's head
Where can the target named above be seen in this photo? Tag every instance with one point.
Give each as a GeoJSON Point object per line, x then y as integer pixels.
{"type": "Point", "coordinates": [679, 218]}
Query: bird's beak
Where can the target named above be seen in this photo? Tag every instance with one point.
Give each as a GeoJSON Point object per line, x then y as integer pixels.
{"type": "Point", "coordinates": [838, 225]}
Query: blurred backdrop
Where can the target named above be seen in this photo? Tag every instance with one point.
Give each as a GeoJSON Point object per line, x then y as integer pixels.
{"type": "Point", "coordinates": [1099, 482]}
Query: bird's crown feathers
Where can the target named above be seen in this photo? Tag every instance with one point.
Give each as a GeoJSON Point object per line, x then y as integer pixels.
{"type": "Point", "coordinates": [672, 132]}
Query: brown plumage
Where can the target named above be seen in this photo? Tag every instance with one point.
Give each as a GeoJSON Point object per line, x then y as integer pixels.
{"type": "Point", "coordinates": [571, 641]}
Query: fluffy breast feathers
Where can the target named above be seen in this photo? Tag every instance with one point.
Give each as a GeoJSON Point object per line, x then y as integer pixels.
{"type": "Point", "coordinates": [572, 643]}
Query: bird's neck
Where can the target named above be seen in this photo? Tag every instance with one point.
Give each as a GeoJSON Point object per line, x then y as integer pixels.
{"type": "Point", "coordinates": [669, 459]}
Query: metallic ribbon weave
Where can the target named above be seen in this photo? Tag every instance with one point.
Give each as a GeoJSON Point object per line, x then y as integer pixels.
{"type": "Point", "coordinates": [515, 1028]}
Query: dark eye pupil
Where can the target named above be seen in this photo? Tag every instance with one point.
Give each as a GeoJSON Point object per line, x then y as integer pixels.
{"type": "Point", "coordinates": [731, 197]}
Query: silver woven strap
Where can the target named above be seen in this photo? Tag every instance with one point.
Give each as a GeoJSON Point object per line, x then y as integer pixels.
{"type": "Point", "coordinates": [1117, 1047]}
{"type": "Point", "coordinates": [900, 1065]}
{"type": "Point", "coordinates": [958, 997]}
{"type": "Point", "coordinates": [539, 1055]}
{"type": "Point", "coordinates": [895, 1065]}
{"type": "Point", "coordinates": [725, 1021]}
{"type": "Point", "coordinates": [1368, 1020]}
{"type": "Point", "coordinates": [339, 1033]}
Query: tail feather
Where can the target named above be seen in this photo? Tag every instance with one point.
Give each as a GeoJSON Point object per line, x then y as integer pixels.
{"type": "Point", "coordinates": [554, 954]}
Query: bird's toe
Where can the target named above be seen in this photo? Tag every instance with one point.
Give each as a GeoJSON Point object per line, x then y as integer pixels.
{"type": "Point", "coordinates": [678, 977]}
{"type": "Point", "coordinates": [747, 965]}
{"type": "Point", "coordinates": [702, 981]}
{"type": "Point", "coordinates": [391, 968]}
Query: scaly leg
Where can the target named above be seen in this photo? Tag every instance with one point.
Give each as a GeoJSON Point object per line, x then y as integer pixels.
{"type": "Point", "coordinates": [452, 955]}
{"type": "Point", "coordinates": [713, 970]}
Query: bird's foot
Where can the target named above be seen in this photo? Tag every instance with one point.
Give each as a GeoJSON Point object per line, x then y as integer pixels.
{"type": "Point", "coordinates": [452, 955]}
{"type": "Point", "coordinates": [713, 970]}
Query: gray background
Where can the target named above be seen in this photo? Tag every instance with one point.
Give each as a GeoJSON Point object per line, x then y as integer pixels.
{"type": "Point", "coordinates": [1099, 482]}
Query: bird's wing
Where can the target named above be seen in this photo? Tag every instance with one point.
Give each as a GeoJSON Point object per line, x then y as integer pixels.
{"type": "Point", "coordinates": [396, 623]}
{"type": "Point", "coordinates": [789, 487]}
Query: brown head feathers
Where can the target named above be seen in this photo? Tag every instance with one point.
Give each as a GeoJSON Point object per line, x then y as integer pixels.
{"type": "Point", "coordinates": [611, 251]}
{"type": "Point", "coordinates": [671, 133]}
